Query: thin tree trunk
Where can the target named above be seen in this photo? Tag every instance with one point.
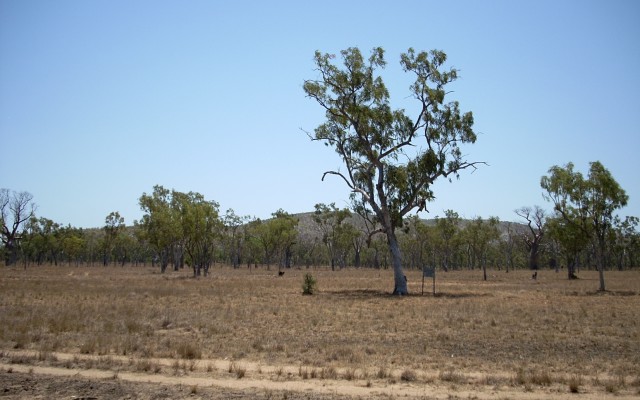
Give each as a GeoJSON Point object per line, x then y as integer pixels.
{"type": "Point", "coordinates": [533, 256]}
{"type": "Point", "coordinates": [601, 274]}
{"type": "Point", "coordinates": [601, 262]}
{"type": "Point", "coordinates": [570, 268]}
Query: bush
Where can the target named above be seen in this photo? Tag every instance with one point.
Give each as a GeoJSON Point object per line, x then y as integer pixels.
{"type": "Point", "coordinates": [309, 284]}
{"type": "Point", "coordinates": [408, 375]}
{"type": "Point", "coordinates": [574, 384]}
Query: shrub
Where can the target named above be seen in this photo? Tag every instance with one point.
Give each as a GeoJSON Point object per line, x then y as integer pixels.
{"type": "Point", "coordinates": [574, 384]}
{"type": "Point", "coordinates": [309, 284]}
{"type": "Point", "coordinates": [239, 371]}
{"type": "Point", "coordinates": [408, 375]}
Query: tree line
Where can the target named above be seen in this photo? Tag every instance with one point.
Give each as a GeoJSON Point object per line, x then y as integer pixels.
{"type": "Point", "coordinates": [184, 230]}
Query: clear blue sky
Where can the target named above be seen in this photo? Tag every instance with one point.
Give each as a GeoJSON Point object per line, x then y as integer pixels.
{"type": "Point", "coordinates": [102, 100]}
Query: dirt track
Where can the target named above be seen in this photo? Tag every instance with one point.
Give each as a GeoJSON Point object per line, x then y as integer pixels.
{"type": "Point", "coordinates": [24, 381]}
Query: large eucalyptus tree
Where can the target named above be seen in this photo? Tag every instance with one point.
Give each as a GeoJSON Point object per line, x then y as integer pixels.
{"type": "Point", "coordinates": [587, 205]}
{"type": "Point", "coordinates": [391, 159]}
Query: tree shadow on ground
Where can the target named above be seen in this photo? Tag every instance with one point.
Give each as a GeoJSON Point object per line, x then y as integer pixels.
{"type": "Point", "coordinates": [370, 294]}
{"type": "Point", "coordinates": [610, 293]}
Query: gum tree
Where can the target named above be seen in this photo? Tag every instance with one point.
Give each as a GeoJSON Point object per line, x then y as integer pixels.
{"type": "Point", "coordinates": [536, 222]}
{"type": "Point", "coordinates": [233, 224]}
{"type": "Point", "coordinates": [160, 226]}
{"type": "Point", "coordinates": [113, 227]}
{"type": "Point", "coordinates": [329, 219]}
{"type": "Point", "coordinates": [200, 225]}
{"type": "Point", "coordinates": [479, 235]}
{"type": "Point", "coordinates": [391, 159]}
{"type": "Point", "coordinates": [276, 237]}
{"type": "Point", "coordinates": [626, 241]}
{"type": "Point", "coordinates": [587, 205]}
{"type": "Point", "coordinates": [571, 239]}
{"type": "Point", "coordinates": [448, 229]}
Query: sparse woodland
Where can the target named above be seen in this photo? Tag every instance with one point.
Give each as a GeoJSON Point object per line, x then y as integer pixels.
{"type": "Point", "coordinates": [327, 237]}
{"type": "Point", "coordinates": [391, 160]}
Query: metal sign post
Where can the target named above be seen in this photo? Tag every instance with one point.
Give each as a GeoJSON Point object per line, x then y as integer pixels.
{"type": "Point", "coordinates": [429, 273]}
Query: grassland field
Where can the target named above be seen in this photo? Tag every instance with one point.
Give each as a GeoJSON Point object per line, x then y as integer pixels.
{"type": "Point", "coordinates": [249, 333]}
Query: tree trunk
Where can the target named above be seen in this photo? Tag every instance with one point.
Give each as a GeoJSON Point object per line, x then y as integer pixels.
{"type": "Point", "coordinates": [601, 275]}
{"type": "Point", "coordinates": [533, 256]}
{"type": "Point", "coordinates": [164, 261]}
{"type": "Point", "coordinates": [376, 259]}
{"type": "Point", "coordinates": [11, 255]}
{"type": "Point", "coordinates": [207, 265]}
{"type": "Point", "coordinates": [601, 262]}
{"type": "Point", "coordinates": [571, 267]}
{"type": "Point", "coordinates": [400, 280]}
{"type": "Point", "coordinates": [288, 255]}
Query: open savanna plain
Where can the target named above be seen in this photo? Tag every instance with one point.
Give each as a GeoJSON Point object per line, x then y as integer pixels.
{"type": "Point", "coordinates": [132, 332]}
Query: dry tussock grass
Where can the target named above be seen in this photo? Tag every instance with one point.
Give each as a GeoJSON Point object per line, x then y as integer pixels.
{"type": "Point", "coordinates": [534, 332]}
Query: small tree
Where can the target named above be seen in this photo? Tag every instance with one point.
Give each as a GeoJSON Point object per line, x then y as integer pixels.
{"type": "Point", "coordinates": [114, 225]}
{"type": "Point", "coordinates": [509, 245]}
{"type": "Point", "coordinates": [418, 244]}
{"type": "Point", "coordinates": [73, 244]}
{"type": "Point", "coordinates": [391, 159]}
{"type": "Point", "coordinates": [571, 240]}
{"type": "Point", "coordinates": [201, 226]}
{"type": "Point", "coordinates": [626, 241]}
{"type": "Point", "coordinates": [309, 284]}
{"type": "Point", "coordinates": [15, 210]}
{"type": "Point", "coordinates": [330, 220]}
{"type": "Point", "coordinates": [479, 235]}
{"type": "Point", "coordinates": [536, 221]}
{"type": "Point", "coordinates": [448, 229]}
{"type": "Point", "coordinates": [276, 236]}
{"type": "Point", "coordinates": [234, 238]}
{"type": "Point", "coordinates": [160, 224]}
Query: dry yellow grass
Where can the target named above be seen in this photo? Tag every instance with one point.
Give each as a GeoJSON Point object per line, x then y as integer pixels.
{"type": "Point", "coordinates": [509, 330]}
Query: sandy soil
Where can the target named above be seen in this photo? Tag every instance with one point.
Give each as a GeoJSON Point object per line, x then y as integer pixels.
{"type": "Point", "coordinates": [41, 381]}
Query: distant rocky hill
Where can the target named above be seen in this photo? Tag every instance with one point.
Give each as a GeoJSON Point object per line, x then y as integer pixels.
{"type": "Point", "coordinates": [308, 227]}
